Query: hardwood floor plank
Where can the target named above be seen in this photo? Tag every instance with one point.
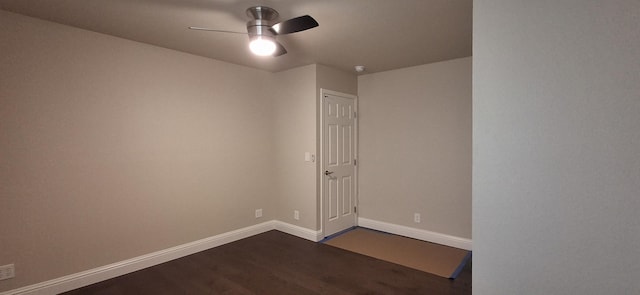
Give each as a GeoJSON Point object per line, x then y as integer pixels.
{"type": "Point", "coordinates": [278, 263]}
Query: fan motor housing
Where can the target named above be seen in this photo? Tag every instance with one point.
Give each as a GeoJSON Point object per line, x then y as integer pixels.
{"type": "Point", "coordinates": [263, 18]}
{"type": "Point", "coordinates": [260, 27]}
{"type": "Point", "coordinates": [262, 12]}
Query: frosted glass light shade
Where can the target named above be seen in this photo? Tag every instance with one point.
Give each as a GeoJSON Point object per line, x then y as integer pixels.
{"type": "Point", "coordinates": [262, 46]}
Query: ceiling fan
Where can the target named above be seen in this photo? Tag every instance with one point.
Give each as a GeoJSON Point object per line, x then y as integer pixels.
{"type": "Point", "coordinates": [263, 29]}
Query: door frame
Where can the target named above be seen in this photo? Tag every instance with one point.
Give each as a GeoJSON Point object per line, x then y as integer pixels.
{"type": "Point", "coordinates": [320, 157]}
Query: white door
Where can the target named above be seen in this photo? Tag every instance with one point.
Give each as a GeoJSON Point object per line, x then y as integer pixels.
{"type": "Point", "coordinates": [338, 162]}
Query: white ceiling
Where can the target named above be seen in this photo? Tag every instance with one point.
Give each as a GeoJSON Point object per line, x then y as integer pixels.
{"type": "Point", "coordinates": [379, 34]}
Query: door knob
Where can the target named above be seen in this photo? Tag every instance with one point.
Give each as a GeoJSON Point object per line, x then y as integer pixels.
{"type": "Point", "coordinates": [327, 172]}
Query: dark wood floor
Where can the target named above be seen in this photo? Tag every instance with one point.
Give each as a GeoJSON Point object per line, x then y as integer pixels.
{"type": "Point", "coordinates": [278, 263]}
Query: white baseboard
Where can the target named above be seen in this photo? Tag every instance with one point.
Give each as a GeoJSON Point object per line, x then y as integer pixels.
{"type": "Point", "coordinates": [420, 234]}
{"type": "Point", "coordinates": [298, 231]}
{"type": "Point", "coordinates": [92, 276]}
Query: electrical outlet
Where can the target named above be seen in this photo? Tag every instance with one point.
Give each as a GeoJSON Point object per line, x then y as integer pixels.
{"type": "Point", "coordinates": [7, 271]}
{"type": "Point", "coordinates": [258, 213]}
{"type": "Point", "coordinates": [296, 214]}
{"type": "Point", "coordinates": [416, 217]}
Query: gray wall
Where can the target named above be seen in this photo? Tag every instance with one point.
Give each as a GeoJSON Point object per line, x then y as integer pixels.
{"type": "Point", "coordinates": [415, 146]}
{"type": "Point", "coordinates": [556, 147]}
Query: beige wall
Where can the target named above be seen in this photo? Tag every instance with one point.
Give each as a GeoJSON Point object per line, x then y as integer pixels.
{"type": "Point", "coordinates": [415, 146]}
{"type": "Point", "coordinates": [294, 110]}
{"type": "Point", "coordinates": [336, 80]}
{"type": "Point", "coordinates": [110, 149]}
{"type": "Point", "coordinates": [556, 124]}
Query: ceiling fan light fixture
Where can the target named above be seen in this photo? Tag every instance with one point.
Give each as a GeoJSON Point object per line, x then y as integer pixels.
{"type": "Point", "coordinates": [262, 30]}
{"type": "Point", "coordinates": [262, 45]}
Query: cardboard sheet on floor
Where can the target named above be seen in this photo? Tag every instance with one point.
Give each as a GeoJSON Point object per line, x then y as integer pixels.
{"type": "Point", "coordinates": [433, 258]}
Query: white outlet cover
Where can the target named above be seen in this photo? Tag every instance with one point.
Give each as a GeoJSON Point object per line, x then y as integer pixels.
{"type": "Point", "coordinates": [7, 272]}
{"type": "Point", "coordinates": [258, 213]}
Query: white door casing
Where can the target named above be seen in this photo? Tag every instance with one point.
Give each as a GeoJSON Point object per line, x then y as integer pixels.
{"type": "Point", "coordinates": [338, 158]}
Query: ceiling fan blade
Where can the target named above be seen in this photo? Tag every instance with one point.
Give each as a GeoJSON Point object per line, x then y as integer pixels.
{"type": "Point", "coordinates": [279, 49]}
{"type": "Point", "coordinates": [214, 30]}
{"type": "Point", "coordinates": [293, 25]}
